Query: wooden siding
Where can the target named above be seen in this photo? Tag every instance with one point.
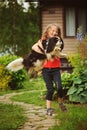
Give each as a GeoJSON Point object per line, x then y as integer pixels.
{"type": "Point", "coordinates": [55, 15]}
{"type": "Point", "coordinates": [52, 15]}
{"type": "Point", "coordinates": [70, 46]}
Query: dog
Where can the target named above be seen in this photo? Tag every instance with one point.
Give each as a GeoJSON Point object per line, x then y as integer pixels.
{"type": "Point", "coordinates": [41, 51]}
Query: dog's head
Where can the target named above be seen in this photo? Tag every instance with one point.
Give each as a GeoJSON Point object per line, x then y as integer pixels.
{"type": "Point", "coordinates": [53, 43]}
{"type": "Point", "coordinates": [53, 46]}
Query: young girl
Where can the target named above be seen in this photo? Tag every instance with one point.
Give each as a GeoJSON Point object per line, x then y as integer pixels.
{"type": "Point", "coordinates": [51, 71]}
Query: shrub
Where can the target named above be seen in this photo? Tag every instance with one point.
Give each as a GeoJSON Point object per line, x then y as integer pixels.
{"type": "Point", "coordinates": [17, 78]}
{"type": "Point", "coordinates": [4, 78]}
{"type": "Point", "coordinates": [78, 90]}
{"type": "Point", "coordinates": [66, 80]}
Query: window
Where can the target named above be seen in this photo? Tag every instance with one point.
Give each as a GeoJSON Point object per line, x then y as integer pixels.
{"type": "Point", "coordinates": [82, 19]}
{"type": "Point", "coordinates": [73, 19]}
{"type": "Point", "coordinates": [70, 22]}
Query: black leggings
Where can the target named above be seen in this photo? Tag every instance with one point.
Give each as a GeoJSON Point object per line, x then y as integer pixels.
{"type": "Point", "coordinates": [51, 77]}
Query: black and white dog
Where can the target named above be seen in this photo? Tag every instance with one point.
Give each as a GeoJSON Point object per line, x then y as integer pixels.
{"type": "Point", "coordinates": [33, 63]}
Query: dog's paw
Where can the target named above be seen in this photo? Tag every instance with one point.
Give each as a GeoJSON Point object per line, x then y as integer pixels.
{"type": "Point", "coordinates": [49, 56]}
{"type": "Point", "coordinates": [38, 63]}
{"type": "Point", "coordinates": [63, 55]}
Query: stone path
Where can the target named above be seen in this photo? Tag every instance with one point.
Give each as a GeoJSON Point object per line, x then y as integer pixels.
{"type": "Point", "coordinates": [36, 116]}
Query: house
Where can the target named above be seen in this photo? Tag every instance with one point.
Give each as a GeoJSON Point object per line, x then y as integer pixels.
{"type": "Point", "coordinates": [69, 14]}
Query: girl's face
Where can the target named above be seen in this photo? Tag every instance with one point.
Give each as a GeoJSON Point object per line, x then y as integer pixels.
{"type": "Point", "coordinates": [53, 31]}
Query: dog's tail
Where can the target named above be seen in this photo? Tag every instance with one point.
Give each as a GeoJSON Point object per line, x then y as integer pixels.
{"type": "Point", "coordinates": [15, 65]}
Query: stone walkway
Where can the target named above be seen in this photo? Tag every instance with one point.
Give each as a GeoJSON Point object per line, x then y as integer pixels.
{"type": "Point", "coordinates": [36, 116]}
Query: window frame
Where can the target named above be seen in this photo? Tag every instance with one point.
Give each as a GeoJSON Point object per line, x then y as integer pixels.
{"type": "Point", "coordinates": [76, 20]}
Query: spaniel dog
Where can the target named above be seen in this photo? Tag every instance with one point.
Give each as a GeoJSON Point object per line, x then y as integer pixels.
{"type": "Point", "coordinates": [33, 62]}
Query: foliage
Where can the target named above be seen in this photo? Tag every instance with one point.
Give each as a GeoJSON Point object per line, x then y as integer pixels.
{"type": "Point", "coordinates": [11, 117]}
{"type": "Point", "coordinates": [78, 90]}
{"type": "Point", "coordinates": [80, 33]}
{"type": "Point", "coordinates": [17, 78]}
{"type": "Point", "coordinates": [76, 61]}
{"type": "Point", "coordinates": [66, 80]}
{"type": "Point", "coordinates": [19, 30]}
{"type": "Point", "coordinates": [85, 37]}
{"type": "Point", "coordinates": [6, 59]}
{"type": "Point", "coordinates": [4, 78]}
{"type": "Point", "coordinates": [82, 48]}
{"type": "Point", "coordinates": [82, 42]}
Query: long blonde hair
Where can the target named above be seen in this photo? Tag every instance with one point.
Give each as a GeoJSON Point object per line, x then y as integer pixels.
{"type": "Point", "coordinates": [49, 27]}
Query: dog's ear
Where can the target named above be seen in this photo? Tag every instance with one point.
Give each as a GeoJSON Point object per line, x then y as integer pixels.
{"type": "Point", "coordinates": [44, 44]}
{"type": "Point", "coordinates": [51, 44]}
{"type": "Point", "coordinates": [59, 32]}
{"type": "Point", "coordinates": [62, 45]}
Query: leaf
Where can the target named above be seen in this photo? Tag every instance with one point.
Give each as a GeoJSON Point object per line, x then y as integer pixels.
{"type": "Point", "coordinates": [74, 98]}
{"type": "Point", "coordinates": [79, 90]}
{"type": "Point", "coordinates": [77, 98]}
{"type": "Point", "coordinates": [77, 81]}
{"type": "Point", "coordinates": [83, 100]}
{"type": "Point", "coordinates": [85, 72]}
{"type": "Point", "coordinates": [84, 94]}
{"type": "Point", "coordinates": [85, 86]}
{"type": "Point", "coordinates": [72, 90]}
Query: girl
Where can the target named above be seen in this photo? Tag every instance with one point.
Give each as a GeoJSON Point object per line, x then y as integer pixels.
{"type": "Point", "coordinates": [51, 71]}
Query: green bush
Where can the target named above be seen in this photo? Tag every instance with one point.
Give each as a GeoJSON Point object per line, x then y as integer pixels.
{"type": "Point", "coordinates": [4, 78]}
{"type": "Point", "coordinates": [17, 78]}
{"type": "Point", "coordinates": [66, 80]}
{"type": "Point", "coordinates": [78, 90]}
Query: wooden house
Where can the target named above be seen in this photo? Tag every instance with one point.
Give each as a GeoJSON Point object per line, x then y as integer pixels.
{"type": "Point", "coordinates": [69, 14]}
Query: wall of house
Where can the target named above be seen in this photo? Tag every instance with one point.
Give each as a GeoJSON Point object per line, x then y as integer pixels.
{"type": "Point", "coordinates": [56, 15]}
{"type": "Point", "coordinates": [52, 15]}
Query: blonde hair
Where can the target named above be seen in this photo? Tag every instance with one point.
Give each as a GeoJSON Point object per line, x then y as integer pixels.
{"type": "Point", "coordinates": [48, 28]}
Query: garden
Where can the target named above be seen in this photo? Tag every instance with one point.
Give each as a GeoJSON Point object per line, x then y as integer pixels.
{"type": "Point", "coordinates": [16, 39]}
{"type": "Point", "coordinates": [34, 91]}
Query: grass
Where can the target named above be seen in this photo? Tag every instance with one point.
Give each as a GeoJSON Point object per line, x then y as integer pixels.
{"type": "Point", "coordinates": [33, 84]}
{"type": "Point", "coordinates": [30, 98]}
{"type": "Point", "coordinates": [75, 119]}
{"type": "Point", "coordinates": [11, 117]}
{"type": "Point", "coordinates": [3, 92]}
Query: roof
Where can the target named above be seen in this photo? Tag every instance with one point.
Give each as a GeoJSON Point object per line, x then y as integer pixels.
{"type": "Point", "coordinates": [52, 0]}
{"type": "Point", "coordinates": [56, 2]}
{"type": "Point", "coordinates": [31, 0]}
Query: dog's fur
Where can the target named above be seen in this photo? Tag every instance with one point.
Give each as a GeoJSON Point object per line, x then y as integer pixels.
{"type": "Point", "coordinates": [34, 61]}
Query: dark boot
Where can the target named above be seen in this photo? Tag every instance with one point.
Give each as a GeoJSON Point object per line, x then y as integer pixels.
{"type": "Point", "coordinates": [50, 111]}
{"type": "Point", "coordinates": [62, 105]}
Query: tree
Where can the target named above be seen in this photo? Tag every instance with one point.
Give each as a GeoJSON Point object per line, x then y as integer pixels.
{"type": "Point", "coordinates": [19, 30]}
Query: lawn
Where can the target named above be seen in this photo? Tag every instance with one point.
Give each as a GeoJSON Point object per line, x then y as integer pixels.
{"type": "Point", "coordinates": [74, 119]}
{"type": "Point", "coordinates": [11, 116]}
